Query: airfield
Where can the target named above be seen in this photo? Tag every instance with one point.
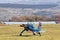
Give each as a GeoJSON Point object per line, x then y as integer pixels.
{"type": "Point", "coordinates": [11, 32]}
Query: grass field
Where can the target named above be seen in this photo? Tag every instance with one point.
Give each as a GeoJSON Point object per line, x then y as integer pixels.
{"type": "Point", "coordinates": [11, 32]}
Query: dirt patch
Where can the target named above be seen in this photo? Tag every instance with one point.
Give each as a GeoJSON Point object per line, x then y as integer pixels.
{"type": "Point", "coordinates": [1, 24]}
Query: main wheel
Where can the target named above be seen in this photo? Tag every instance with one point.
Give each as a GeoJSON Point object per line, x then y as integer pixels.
{"type": "Point", "coordinates": [20, 34]}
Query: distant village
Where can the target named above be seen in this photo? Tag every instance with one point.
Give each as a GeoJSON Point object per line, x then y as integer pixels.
{"type": "Point", "coordinates": [29, 15]}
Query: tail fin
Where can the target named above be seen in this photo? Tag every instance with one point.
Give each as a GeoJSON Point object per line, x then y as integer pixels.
{"type": "Point", "coordinates": [39, 26]}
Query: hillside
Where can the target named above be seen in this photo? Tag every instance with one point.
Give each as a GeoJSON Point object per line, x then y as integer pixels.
{"type": "Point", "coordinates": [38, 6]}
{"type": "Point", "coordinates": [7, 13]}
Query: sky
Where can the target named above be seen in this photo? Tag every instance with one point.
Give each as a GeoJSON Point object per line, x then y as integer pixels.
{"type": "Point", "coordinates": [29, 1]}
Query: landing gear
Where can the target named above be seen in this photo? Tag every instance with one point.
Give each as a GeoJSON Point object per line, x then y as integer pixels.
{"type": "Point", "coordinates": [39, 33]}
{"type": "Point", "coordinates": [20, 35]}
{"type": "Point", "coordinates": [34, 34]}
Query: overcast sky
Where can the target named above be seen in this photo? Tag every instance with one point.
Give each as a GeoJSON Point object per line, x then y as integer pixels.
{"type": "Point", "coordinates": [29, 1]}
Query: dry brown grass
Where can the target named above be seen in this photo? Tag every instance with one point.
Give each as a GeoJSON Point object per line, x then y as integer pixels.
{"type": "Point", "coordinates": [11, 32]}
